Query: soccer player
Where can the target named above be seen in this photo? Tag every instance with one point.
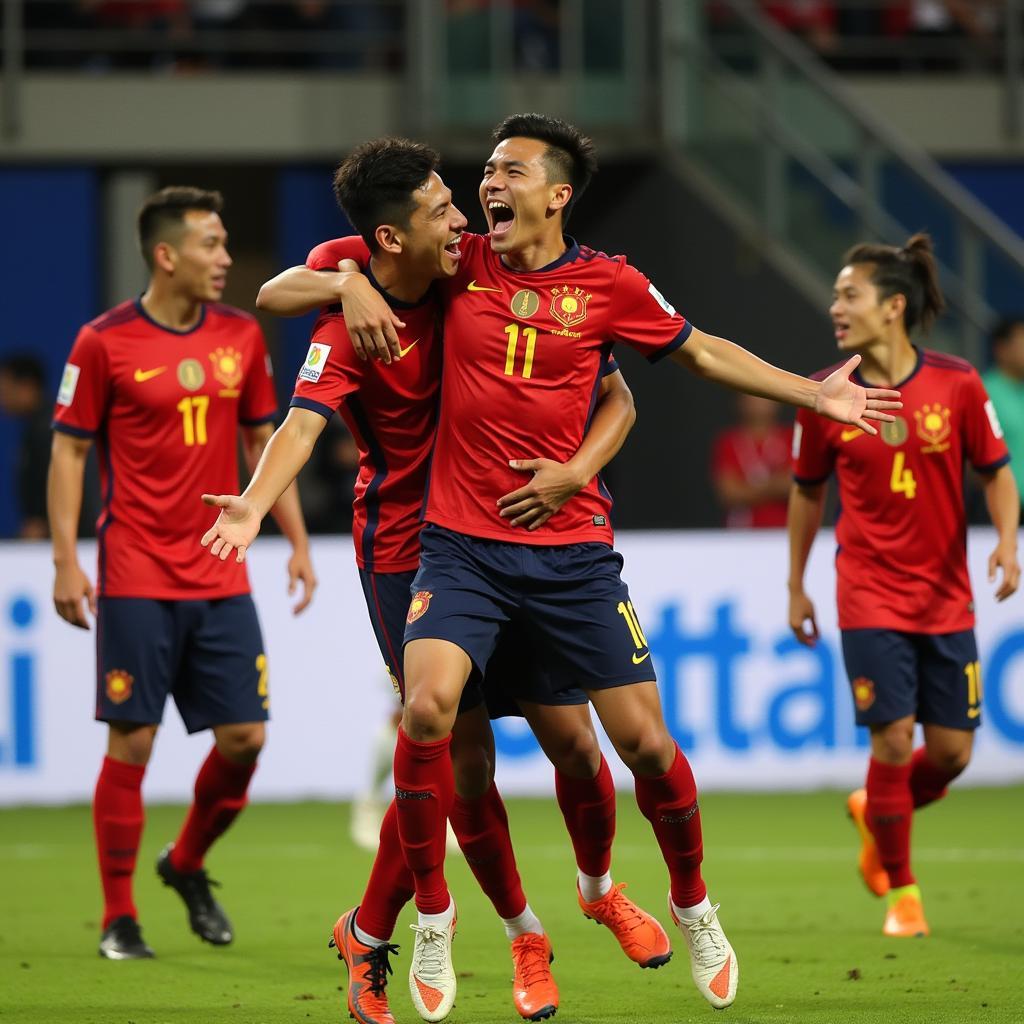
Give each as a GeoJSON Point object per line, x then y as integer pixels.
{"type": "Point", "coordinates": [391, 191]}
{"type": "Point", "coordinates": [162, 384]}
{"type": "Point", "coordinates": [905, 607]}
{"type": "Point", "coordinates": [531, 318]}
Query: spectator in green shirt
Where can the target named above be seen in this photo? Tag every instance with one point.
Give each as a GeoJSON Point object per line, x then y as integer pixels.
{"type": "Point", "coordinates": [1005, 385]}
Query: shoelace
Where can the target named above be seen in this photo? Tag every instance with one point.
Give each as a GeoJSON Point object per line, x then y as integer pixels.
{"type": "Point", "coordinates": [380, 967]}
{"type": "Point", "coordinates": [198, 885]}
{"type": "Point", "coordinates": [709, 945]}
{"type": "Point", "coordinates": [531, 959]}
{"type": "Point", "coordinates": [430, 951]}
{"type": "Point", "coordinates": [620, 910]}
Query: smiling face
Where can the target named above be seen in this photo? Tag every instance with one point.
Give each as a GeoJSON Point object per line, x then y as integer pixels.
{"type": "Point", "coordinates": [521, 204]}
{"type": "Point", "coordinates": [196, 256]}
{"type": "Point", "coordinates": [430, 243]}
{"type": "Point", "coordinates": [859, 316]}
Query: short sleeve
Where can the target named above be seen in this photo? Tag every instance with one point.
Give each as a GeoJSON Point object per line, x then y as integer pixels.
{"type": "Point", "coordinates": [983, 440]}
{"type": "Point", "coordinates": [84, 392]}
{"type": "Point", "coordinates": [258, 403]}
{"type": "Point", "coordinates": [814, 457]}
{"type": "Point", "coordinates": [327, 255]}
{"type": "Point", "coordinates": [643, 319]}
{"type": "Point", "coordinates": [331, 370]}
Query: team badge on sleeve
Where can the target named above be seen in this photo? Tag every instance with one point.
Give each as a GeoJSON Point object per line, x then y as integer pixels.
{"type": "Point", "coordinates": [993, 419]}
{"type": "Point", "coordinates": [119, 685]}
{"type": "Point", "coordinates": [316, 360]}
{"type": "Point", "coordinates": [419, 605]}
{"type": "Point", "coordinates": [68, 384]}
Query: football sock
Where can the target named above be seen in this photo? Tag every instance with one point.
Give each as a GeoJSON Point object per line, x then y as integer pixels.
{"type": "Point", "coordinates": [220, 794]}
{"type": "Point", "coordinates": [481, 827]}
{"type": "Point", "coordinates": [389, 888]}
{"type": "Point", "coordinates": [669, 803]}
{"type": "Point", "coordinates": [593, 887]}
{"type": "Point", "coordinates": [692, 913]}
{"type": "Point", "coordinates": [928, 782]}
{"type": "Point", "coordinates": [526, 923]}
{"type": "Point", "coordinates": [441, 919]}
{"type": "Point", "coordinates": [424, 790]}
{"type": "Point", "coordinates": [366, 939]}
{"type": "Point", "coordinates": [890, 810]}
{"type": "Point", "coordinates": [117, 818]}
{"type": "Point", "coordinates": [588, 807]}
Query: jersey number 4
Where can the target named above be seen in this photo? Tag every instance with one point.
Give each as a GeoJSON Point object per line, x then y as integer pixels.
{"type": "Point", "coordinates": [902, 479]}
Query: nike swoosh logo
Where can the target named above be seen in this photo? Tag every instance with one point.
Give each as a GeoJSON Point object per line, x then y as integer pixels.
{"type": "Point", "coordinates": [638, 661]}
{"type": "Point", "coordinates": [408, 348]}
{"type": "Point", "coordinates": [474, 287]}
{"type": "Point", "coordinates": [143, 375]}
{"type": "Point", "coordinates": [849, 435]}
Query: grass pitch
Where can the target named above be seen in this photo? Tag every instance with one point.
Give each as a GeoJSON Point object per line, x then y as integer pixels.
{"type": "Point", "coordinates": [806, 932]}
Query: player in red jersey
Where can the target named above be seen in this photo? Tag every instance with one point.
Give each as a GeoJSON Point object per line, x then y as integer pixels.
{"type": "Point", "coordinates": [162, 384]}
{"type": "Point", "coordinates": [390, 190]}
{"type": "Point", "coordinates": [531, 319]}
{"type": "Point", "coordinates": [905, 606]}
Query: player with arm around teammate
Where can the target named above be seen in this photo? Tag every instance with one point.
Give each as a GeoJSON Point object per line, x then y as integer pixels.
{"type": "Point", "coordinates": [163, 384]}
{"type": "Point", "coordinates": [906, 611]}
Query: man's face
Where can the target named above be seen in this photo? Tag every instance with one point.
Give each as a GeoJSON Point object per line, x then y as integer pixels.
{"type": "Point", "coordinates": [431, 243]}
{"type": "Point", "coordinates": [858, 318]}
{"type": "Point", "coordinates": [516, 196]}
{"type": "Point", "coordinates": [1010, 354]}
{"type": "Point", "coordinates": [200, 257]}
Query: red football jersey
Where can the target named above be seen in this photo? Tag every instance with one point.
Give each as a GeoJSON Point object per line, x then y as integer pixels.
{"type": "Point", "coordinates": [902, 549]}
{"type": "Point", "coordinates": [753, 460]}
{"type": "Point", "coordinates": [524, 354]}
{"type": "Point", "coordinates": [164, 407]}
{"type": "Point", "coordinates": [391, 411]}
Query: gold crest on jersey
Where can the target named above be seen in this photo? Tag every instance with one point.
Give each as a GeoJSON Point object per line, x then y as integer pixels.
{"type": "Point", "coordinates": [524, 303]}
{"type": "Point", "coordinates": [569, 305]}
{"type": "Point", "coordinates": [119, 685]}
{"type": "Point", "coordinates": [191, 375]}
{"type": "Point", "coordinates": [227, 367]}
{"type": "Point", "coordinates": [933, 427]}
{"type": "Point", "coordinates": [895, 433]}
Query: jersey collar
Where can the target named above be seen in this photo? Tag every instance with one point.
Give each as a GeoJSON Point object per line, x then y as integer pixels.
{"type": "Point", "coordinates": [918, 363]}
{"type": "Point", "coordinates": [391, 300]}
{"type": "Point", "coordinates": [572, 251]}
{"type": "Point", "coordinates": [171, 330]}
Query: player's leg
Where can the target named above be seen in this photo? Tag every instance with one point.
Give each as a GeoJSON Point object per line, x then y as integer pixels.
{"type": "Point", "coordinates": [223, 686]}
{"type": "Point", "coordinates": [135, 650]}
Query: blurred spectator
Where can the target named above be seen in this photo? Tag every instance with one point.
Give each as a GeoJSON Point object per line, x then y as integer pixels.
{"type": "Point", "coordinates": [951, 22]}
{"type": "Point", "coordinates": [23, 397]}
{"type": "Point", "coordinates": [750, 465]}
{"type": "Point", "coordinates": [813, 20]}
{"type": "Point", "coordinates": [1005, 385]}
{"type": "Point", "coordinates": [171, 17]}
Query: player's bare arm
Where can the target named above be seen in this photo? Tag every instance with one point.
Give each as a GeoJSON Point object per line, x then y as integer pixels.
{"type": "Point", "coordinates": [1003, 502]}
{"type": "Point", "coordinates": [554, 483]}
{"type": "Point", "coordinates": [806, 507]}
{"type": "Point", "coordinates": [299, 290]}
{"type": "Point", "coordinates": [72, 589]}
{"type": "Point", "coordinates": [836, 397]}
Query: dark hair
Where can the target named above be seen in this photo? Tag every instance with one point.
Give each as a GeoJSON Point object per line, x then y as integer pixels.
{"type": "Point", "coordinates": [570, 155]}
{"type": "Point", "coordinates": [1004, 329]}
{"type": "Point", "coordinates": [24, 367]}
{"type": "Point", "coordinates": [164, 211]}
{"type": "Point", "coordinates": [374, 185]}
{"type": "Point", "coordinates": [909, 271]}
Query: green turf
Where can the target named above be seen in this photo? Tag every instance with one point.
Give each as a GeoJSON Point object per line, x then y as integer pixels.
{"type": "Point", "coordinates": [806, 933]}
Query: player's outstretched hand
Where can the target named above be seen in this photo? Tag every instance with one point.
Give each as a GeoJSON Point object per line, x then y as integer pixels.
{"type": "Point", "coordinates": [553, 484]}
{"type": "Point", "coordinates": [1005, 558]}
{"type": "Point", "coordinates": [841, 400]}
{"type": "Point", "coordinates": [236, 528]}
{"type": "Point", "coordinates": [300, 570]}
{"type": "Point", "coordinates": [801, 618]}
{"type": "Point", "coordinates": [371, 323]}
{"type": "Point", "coordinates": [70, 588]}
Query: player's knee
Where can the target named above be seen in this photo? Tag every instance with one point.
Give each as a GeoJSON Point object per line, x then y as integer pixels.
{"type": "Point", "coordinates": [648, 752]}
{"type": "Point", "coordinates": [131, 744]}
{"type": "Point", "coordinates": [473, 770]}
{"type": "Point", "coordinates": [427, 716]}
{"type": "Point", "coordinates": [951, 760]}
{"type": "Point", "coordinates": [577, 755]}
{"type": "Point", "coordinates": [242, 743]}
{"type": "Point", "coordinates": [893, 744]}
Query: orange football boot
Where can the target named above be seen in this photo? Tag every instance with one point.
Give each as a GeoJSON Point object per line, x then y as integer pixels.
{"type": "Point", "coordinates": [368, 970]}
{"type": "Point", "coordinates": [905, 917]}
{"type": "Point", "coordinates": [875, 876]}
{"type": "Point", "coordinates": [639, 934]}
{"type": "Point", "coordinates": [533, 989]}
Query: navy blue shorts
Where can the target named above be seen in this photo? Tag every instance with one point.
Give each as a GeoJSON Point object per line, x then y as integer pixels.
{"type": "Point", "coordinates": [207, 655]}
{"type": "Point", "coordinates": [568, 603]}
{"type": "Point", "coordinates": [511, 675]}
{"type": "Point", "coordinates": [934, 677]}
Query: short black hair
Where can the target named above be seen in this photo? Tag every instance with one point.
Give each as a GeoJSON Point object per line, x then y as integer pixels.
{"type": "Point", "coordinates": [374, 185]}
{"type": "Point", "coordinates": [570, 155]}
{"type": "Point", "coordinates": [164, 211]}
{"type": "Point", "coordinates": [1004, 328]}
{"type": "Point", "coordinates": [24, 367]}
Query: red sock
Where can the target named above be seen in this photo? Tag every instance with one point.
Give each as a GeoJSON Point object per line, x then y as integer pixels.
{"type": "Point", "coordinates": [117, 817]}
{"type": "Point", "coordinates": [669, 803]}
{"type": "Point", "coordinates": [220, 794]}
{"type": "Point", "coordinates": [481, 827]}
{"type": "Point", "coordinates": [890, 810]}
{"type": "Point", "coordinates": [588, 807]}
{"type": "Point", "coordinates": [424, 791]}
{"type": "Point", "coordinates": [928, 782]}
{"type": "Point", "coordinates": [390, 886]}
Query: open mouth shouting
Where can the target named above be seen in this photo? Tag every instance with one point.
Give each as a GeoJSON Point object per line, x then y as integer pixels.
{"type": "Point", "coordinates": [501, 217]}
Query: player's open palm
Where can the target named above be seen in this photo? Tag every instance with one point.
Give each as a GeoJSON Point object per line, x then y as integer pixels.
{"type": "Point", "coordinates": [70, 588]}
{"type": "Point", "coordinates": [801, 618]}
{"type": "Point", "coordinates": [236, 528]}
{"type": "Point", "coordinates": [840, 399]}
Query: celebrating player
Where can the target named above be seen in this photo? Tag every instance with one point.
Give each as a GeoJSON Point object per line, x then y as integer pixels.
{"type": "Point", "coordinates": [391, 191]}
{"type": "Point", "coordinates": [162, 384]}
{"type": "Point", "coordinates": [905, 605]}
{"type": "Point", "coordinates": [531, 318]}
